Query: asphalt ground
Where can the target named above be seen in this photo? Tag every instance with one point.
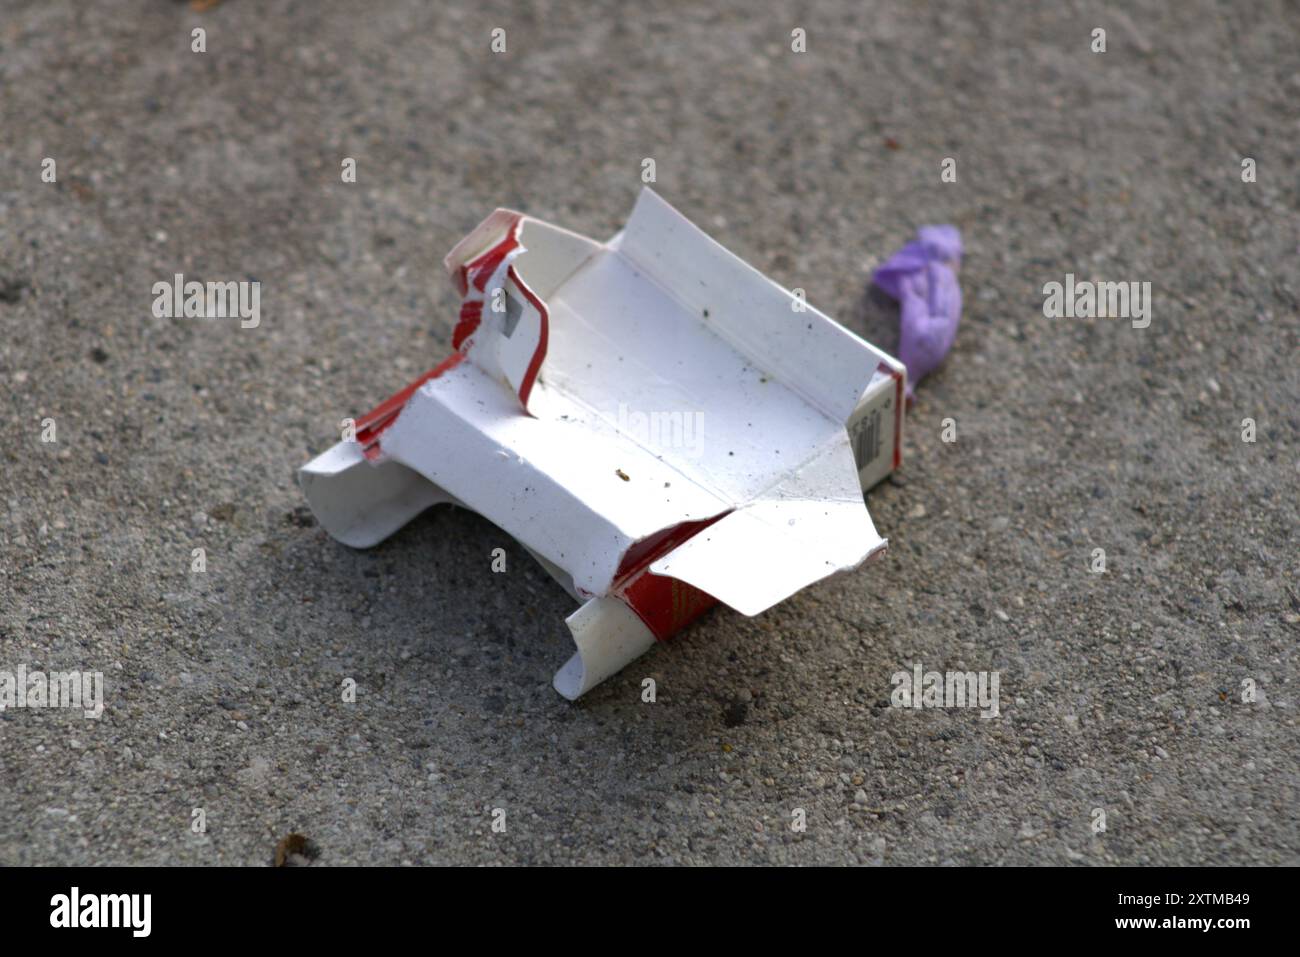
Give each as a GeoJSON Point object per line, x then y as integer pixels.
{"type": "Point", "coordinates": [1160, 692]}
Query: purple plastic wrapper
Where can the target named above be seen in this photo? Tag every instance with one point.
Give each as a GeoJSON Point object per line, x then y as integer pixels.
{"type": "Point", "coordinates": [922, 276]}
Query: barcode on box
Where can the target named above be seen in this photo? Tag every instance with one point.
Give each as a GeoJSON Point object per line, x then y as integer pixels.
{"type": "Point", "coordinates": [865, 437]}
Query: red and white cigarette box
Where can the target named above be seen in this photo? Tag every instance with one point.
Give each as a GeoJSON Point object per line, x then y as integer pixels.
{"type": "Point", "coordinates": [660, 425]}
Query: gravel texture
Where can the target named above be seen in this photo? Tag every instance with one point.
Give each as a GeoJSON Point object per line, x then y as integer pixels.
{"type": "Point", "coordinates": [1120, 691]}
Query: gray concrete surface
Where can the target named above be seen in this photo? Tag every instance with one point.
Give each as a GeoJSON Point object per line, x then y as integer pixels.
{"type": "Point", "coordinates": [1120, 691]}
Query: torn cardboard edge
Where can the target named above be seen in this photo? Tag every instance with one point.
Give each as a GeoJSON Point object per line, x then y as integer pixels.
{"type": "Point", "coordinates": [564, 349]}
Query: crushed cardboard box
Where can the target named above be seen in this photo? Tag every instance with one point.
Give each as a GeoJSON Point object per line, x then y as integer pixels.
{"type": "Point", "coordinates": [659, 424]}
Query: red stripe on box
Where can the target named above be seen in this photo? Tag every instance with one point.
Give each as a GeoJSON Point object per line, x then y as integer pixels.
{"type": "Point", "coordinates": [471, 314]}
{"type": "Point", "coordinates": [373, 424]}
{"type": "Point", "coordinates": [665, 604]}
{"type": "Point", "coordinates": [898, 410]}
{"type": "Point", "coordinates": [543, 338]}
{"type": "Point", "coordinates": [483, 267]}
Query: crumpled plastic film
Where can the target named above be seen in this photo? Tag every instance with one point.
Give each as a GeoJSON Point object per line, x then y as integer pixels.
{"type": "Point", "coordinates": [922, 276]}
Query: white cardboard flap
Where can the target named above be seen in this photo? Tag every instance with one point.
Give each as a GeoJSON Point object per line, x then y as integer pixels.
{"type": "Point", "coordinates": [801, 346]}
{"type": "Point", "coordinates": [811, 525]}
